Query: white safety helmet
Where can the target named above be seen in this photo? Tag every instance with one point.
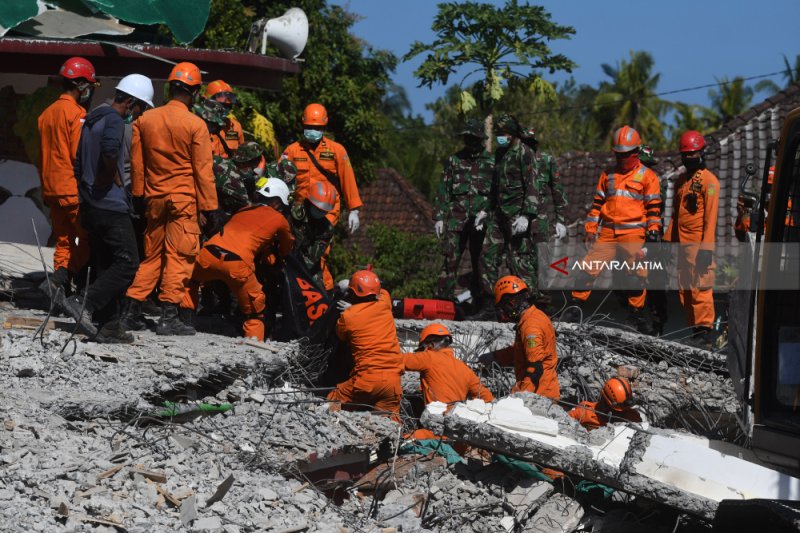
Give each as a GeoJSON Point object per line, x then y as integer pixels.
{"type": "Point", "coordinates": [137, 86]}
{"type": "Point", "coordinates": [274, 188]}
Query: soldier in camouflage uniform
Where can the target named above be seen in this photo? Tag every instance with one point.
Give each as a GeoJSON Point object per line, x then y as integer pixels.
{"type": "Point", "coordinates": [461, 205]}
{"type": "Point", "coordinates": [312, 230]}
{"type": "Point", "coordinates": [516, 206]}
{"type": "Point", "coordinates": [548, 183]}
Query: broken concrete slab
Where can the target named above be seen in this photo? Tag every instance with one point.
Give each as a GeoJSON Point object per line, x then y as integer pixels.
{"type": "Point", "coordinates": [559, 514]}
{"type": "Point", "coordinates": [678, 470]}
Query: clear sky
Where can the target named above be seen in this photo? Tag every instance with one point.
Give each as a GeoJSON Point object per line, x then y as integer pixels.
{"type": "Point", "coordinates": [692, 42]}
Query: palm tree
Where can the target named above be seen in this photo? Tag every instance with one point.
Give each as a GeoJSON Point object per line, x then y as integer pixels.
{"type": "Point", "coordinates": [689, 117]}
{"type": "Point", "coordinates": [732, 98]}
{"type": "Point", "coordinates": [790, 74]}
{"type": "Point", "coordinates": [631, 98]}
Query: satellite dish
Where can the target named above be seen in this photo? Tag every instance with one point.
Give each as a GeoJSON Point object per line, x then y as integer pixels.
{"type": "Point", "coordinates": [289, 33]}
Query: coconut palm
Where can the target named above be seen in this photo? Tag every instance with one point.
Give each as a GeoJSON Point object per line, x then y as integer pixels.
{"type": "Point", "coordinates": [630, 97]}
{"type": "Point", "coordinates": [731, 98]}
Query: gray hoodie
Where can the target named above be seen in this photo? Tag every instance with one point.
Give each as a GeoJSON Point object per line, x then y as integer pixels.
{"type": "Point", "coordinates": [102, 134]}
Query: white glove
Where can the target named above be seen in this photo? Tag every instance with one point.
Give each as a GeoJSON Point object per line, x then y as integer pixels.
{"type": "Point", "coordinates": [486, 359]}
{"type": "Point", "coordinates": [438, 228]}
{"type": "Point", "coordinates": [344, 284]}
{"type": "Point", "coordinates": [561, 231]}
{"type": "Point", "coordinates": [352, 221]}
{"type": "Point", "coordinates": [479, 218]}
{"type": "Point", "coordinates": [520, 225]}
{"type": "Point", "coordinates": [343, 306]}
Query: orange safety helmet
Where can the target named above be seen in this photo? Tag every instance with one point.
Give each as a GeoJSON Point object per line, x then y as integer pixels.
{"type": "Point", "coordinates": [508, 285]}
{"type": "Point", "coordinates": [186, 73]}
{"type": "Point", "coordinates": [315, 115]}
{"type": "Point", "coordinates": [365, 283]}
{"type": "Point", "coordinates": [219, 86]}
{"type": "Point", "coordinates": [323, 196]}
{"type": "Point", "coordinates": [692, 141]}
{"type": "Point", "coordinates": [435, 329]}
{"type": "Point", "coordinates": [616, 392]}
{"type": "Point", "coordinates": [76, 68]}
{"type": "Point", "coordinates": [626, 139]}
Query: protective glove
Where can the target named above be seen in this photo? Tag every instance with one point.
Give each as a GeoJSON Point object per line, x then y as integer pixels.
{"type": "Point", "coordinates": [343, 305]}
{"type": "Point", "coordinates": [138, 205]}
{"type": "Point", "coordinates": [589, 238]}
{"type": "Point", "coordinates": [520, 225]}
{"type": "Point", "coordinates": [479, 218]}
{"type": "Point", "coordinates": [561, 231]}
{"type": "Point", "coordinates": [486, 359]}
{"type": "Point", "coordinates": [703, 261]}
{"type": "Point", "coordinates": [653, 236]}
{"type": "Point", "coordinates": [352, 221]}
{"type": "Point", "coordinates": [438, 229]}
{"type": "Point", "coordinates": [344, 284]}
{"type": "Point", "coordinates": [215, 222]}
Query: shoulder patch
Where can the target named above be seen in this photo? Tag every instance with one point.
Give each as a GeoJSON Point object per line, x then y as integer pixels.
{"type": "Point", "coordinates": [712, 191]}
{"type": "Point", "coordinates": [530, 341]}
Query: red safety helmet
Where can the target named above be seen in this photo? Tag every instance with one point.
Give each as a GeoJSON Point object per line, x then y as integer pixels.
{"type": "Point", "coordinates": [186, 73]}
{"type": "Point", "coordinates": [617, 392]}
{"type": "Point", "coordinates": [692, 141]}
{"type": "Point", "coordinates": [365, 283]}
{"type": "Point", "coordinates": [435, 329]}
{"type": "Point", "coordinates": [508, 285]}
{"type": "Point", "coordinates": [626, 139]}
{"type": "Point", "coordinates": [315, 115]}
{"type": "Point", "coordinates": [323, 196]}
{"type": "Point", "coordinates": [76, 68]}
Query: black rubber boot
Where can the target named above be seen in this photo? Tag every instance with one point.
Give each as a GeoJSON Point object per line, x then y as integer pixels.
{"type": "Point", "coordinates": [187, 316]}
{"type": "Point", "coordinates": [131, 317]}
{"type": "Point", "coordinates": [171, 323]}
{"type": "Point", "coordinates": [57, 280]}
{"type": "Point", "coordinates": [113, 333]}
{"type": "Point", "coordinates": [81, 312]}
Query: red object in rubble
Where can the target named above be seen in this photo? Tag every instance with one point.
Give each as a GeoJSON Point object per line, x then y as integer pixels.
{"type": "Point", "coordinates": [420, 308]}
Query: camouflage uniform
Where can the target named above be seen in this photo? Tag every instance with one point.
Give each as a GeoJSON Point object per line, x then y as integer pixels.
{"type": "Point", "coordinates": [312, 238]}
{"type": "Point", "coordinates": [547, 183]}
{"type": "Point", "coordinates": [464, 191]}
{"type": "Point", "coordinates": [232, 185]}
{"type": "Point", "coordinates": [514, 194]}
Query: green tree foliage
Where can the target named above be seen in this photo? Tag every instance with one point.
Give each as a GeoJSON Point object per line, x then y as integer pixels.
{"type": "Point", "coordinates": [403, 261]}
{"type": "Point", "coordinates": [346, 75]}
{"type": "Point", "coordinates": [791, 73]}
{"type": "Point", "coordinates": [689, 117]}
{"type": "Point", "coordinates": [630, 97]}
{"type": "Point", "coordinates": [499, 43]}
{"type": "Point", "coordinates": [731, 98]}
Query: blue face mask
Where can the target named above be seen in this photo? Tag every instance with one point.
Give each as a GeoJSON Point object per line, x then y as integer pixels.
{"type": "Point", "coordinates": [312, 136]}
{"type": "Point", "coordinates": [502, 140]}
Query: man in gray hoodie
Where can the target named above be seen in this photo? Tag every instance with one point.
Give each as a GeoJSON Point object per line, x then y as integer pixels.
{"type": "Point", "coordinates": [106, 207]}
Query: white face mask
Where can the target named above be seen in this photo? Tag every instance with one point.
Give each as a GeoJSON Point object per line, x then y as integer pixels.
{"type": "Point", "coordinates": [258, 171]}
{"type": "Point", "coordinates": [312, 136]}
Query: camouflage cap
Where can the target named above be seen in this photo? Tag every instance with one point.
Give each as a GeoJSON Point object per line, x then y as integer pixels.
{"type": "Point", "coordinates": [473, 127]}
{"type": "Point", "coordinates": [647, 155]}
{"type": "Point", "coordinates": [284, 170]}
{"type": "Point", "coordinates": [508, 124]}
{"type": "Point", "coordinates": [231, 185]}
{"type": "Point", "coordinates": [247, 152]}
{"type": "Point", "coordinates": [212, 112]}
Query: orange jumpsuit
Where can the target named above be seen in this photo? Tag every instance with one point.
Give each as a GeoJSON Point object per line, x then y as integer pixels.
{"type": "Point", "coordinates": [231, 255]}
{"type": "Point", "coordinates": [445, 378]}
{"type": "Point", "coordinates": [625, 207]}
{"type": "Point", "coordinates": [586, 413]}
{"type": "Point", "coordinates": [332, 157]}
{"type": "Point", "coordinates": [533, 355]}
{"type": "Point", "coordinates": [171, 166]}
{"type": "Point", "coordinates": [232, 134]}
{"type": "Point", "coordinates": [60, 131]}
{"type": "Point", "coordinates": [695, 231]}
{"type": "Point", "coordinates": [368, 328]}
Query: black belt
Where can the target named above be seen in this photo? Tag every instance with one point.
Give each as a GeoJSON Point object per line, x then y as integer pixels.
{"type": "Point", "coordinates": [222, 253]}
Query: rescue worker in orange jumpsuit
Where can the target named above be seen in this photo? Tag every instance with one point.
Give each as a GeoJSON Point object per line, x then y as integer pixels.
{"type": "Point", "coordinates": [694, 226]}
{"type": "Point", "coordinates": [533, 353]}
{"type": "Point", "coordinates": [744, 207]}
{"type": "Point", "coordinates": [614, 405]}
{"type": "Point", "coordinates": [230, 255]}
{"type": "Point", "coordinates": [319, 158]}
{"type": "Point", "coordinates": [225, 141]}
{"type": "Point", "coordinates": [171, 174]}
{"type": "Point", "coordinates": [625, 214]}
{"type": "Point", "coordinates": [60, 132]}
{"type": "Point", "coordinates": [367, 325]}
{"type": "Point", "coordinates": [444, 378]}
